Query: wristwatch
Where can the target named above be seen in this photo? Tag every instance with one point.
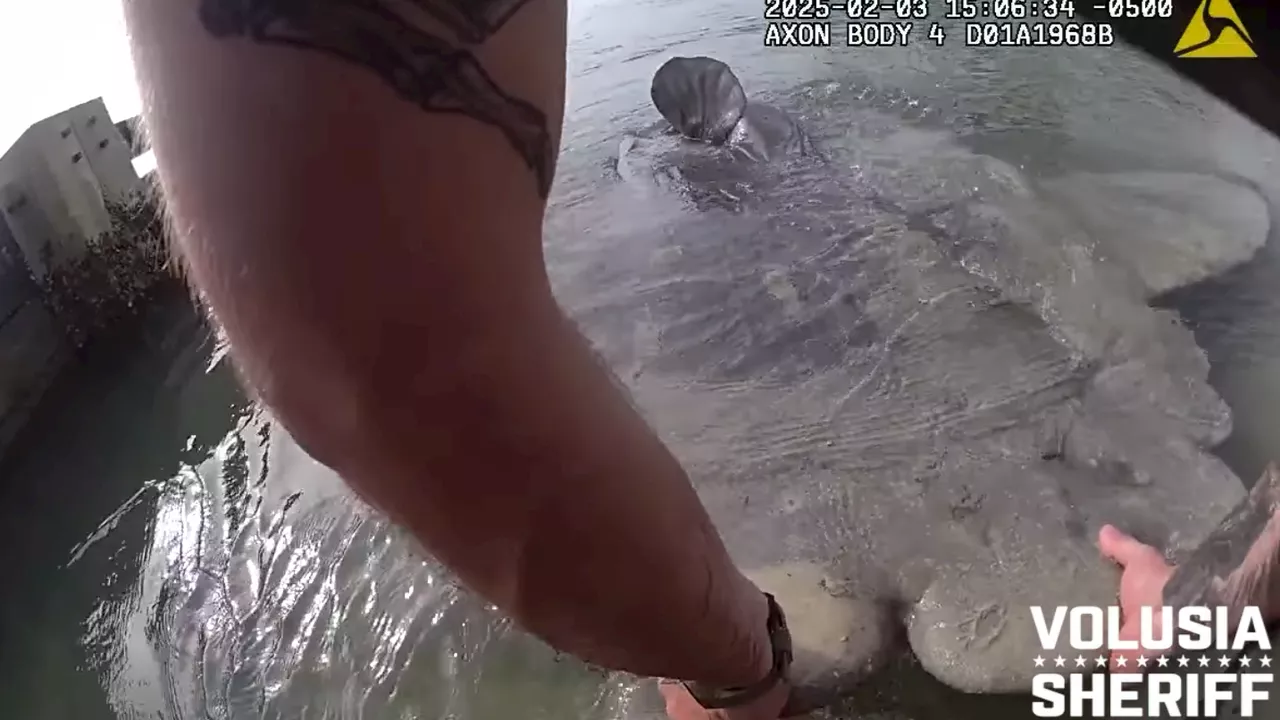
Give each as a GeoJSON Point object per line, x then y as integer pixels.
{"type": "Point", "coordinates": [713, 698]}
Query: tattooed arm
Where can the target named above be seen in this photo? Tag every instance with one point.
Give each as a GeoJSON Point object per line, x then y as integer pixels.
{"type": "Point", "coordinates": [1236, 566]}
{"type": "Point", "coordinates": [358, 189]}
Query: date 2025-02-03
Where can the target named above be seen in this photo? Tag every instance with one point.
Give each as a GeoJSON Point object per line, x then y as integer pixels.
{"type": "Point", "coordinates": [888, 23]}
{"type": "Point", "coordinates": [959, 9]}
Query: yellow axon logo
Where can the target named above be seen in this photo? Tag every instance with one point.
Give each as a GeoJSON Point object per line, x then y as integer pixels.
{"type": "Point", "coordinates": [1215, 32]}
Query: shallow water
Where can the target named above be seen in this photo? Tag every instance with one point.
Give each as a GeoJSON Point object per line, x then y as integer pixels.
{"type": "Point", "coordinates": [171, 554]}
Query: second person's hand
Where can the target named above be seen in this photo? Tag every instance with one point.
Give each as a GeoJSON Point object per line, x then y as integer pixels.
{"type": "Point", "coordinates": [1144, 573]}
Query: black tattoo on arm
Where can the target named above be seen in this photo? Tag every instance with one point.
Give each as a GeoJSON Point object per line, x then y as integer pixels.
{"type": "Point", "coordinates": [436, 74]}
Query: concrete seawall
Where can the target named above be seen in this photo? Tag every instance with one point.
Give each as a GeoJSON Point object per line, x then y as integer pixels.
{"type": "Point", "coordinates": [81, 245]}
{"type": "Point", "coordinates": [33, 344]}
{"type": "Point", "coordinates": [45, 325]}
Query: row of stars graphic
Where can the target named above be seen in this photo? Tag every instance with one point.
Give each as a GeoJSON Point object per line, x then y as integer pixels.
{"type": "Point", "coordinates": [1144, 661]}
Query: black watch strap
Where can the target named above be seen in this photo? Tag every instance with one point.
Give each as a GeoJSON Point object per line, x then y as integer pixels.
{"type": "Point", "coordinates": [780, 637]}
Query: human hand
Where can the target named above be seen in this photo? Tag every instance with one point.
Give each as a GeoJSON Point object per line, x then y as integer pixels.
{"type": "Point", "coordinates": [1144, 573]}
{"type": "Point", "coordinates": [681, 705]}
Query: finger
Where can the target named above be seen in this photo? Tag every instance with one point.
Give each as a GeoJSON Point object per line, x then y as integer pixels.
{"type": "Point", "coordinates": [680, 705]}
{"type": "Point", "coordinates": [1129, 631]}
{"type": "Point", "coordinates": [1124, 549]}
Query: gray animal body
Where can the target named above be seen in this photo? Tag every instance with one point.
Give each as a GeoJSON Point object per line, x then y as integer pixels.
{"type": "Point", "coordinates": [910, 391]}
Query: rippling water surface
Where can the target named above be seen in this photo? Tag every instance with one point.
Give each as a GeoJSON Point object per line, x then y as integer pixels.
{"type": "Point", "coordinates": [170, 553]}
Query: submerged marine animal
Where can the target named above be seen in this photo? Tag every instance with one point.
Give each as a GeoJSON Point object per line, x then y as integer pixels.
{"type": "Point", "coordinates": [912, 394]}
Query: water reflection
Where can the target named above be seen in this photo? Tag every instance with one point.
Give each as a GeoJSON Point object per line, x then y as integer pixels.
{"type": "Point", "coordinates": [80, 489]}
{"type": "Point", "coordinates": [267, 591]}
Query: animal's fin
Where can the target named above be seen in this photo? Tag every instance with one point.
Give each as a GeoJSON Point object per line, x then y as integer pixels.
{"type": "Point", "coordinates": [699, 96]}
